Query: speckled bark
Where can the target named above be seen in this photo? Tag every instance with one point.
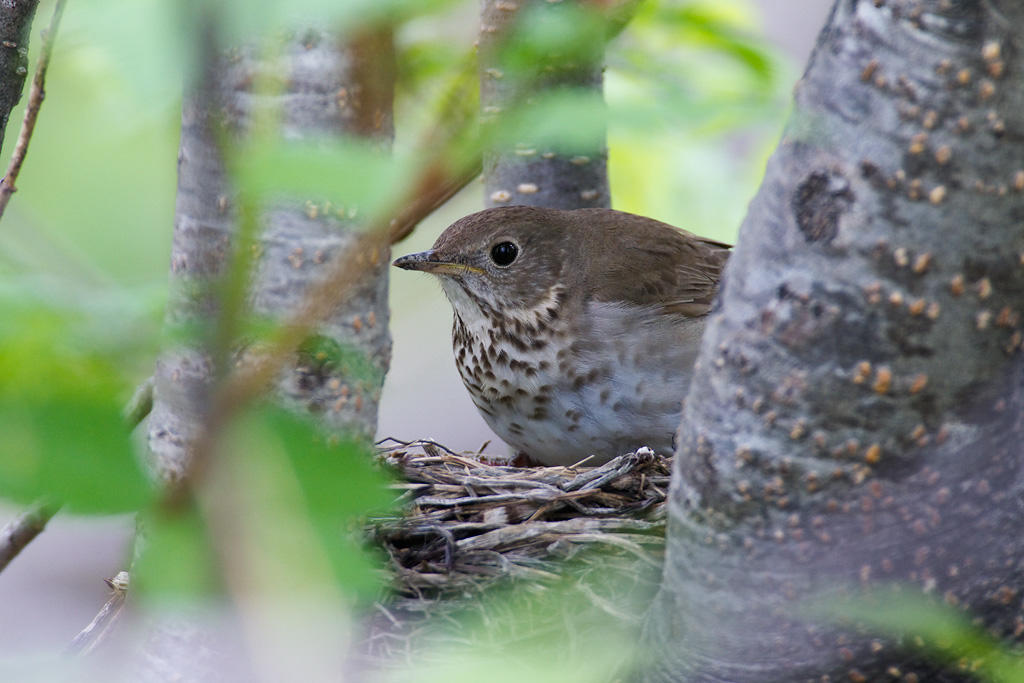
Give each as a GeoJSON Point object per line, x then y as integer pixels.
{"type": "Point", "coordinates": [326, 94]}
{"type": "Point", "coordinates": [15, 28]}
{"type": "Point", "coordinates": [856, 415]}
{"type": "Point", "coordinates": [528, 172]}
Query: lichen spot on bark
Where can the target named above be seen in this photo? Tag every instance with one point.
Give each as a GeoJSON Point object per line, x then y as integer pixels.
{"type": "Point", "coordinates": [819, 201]}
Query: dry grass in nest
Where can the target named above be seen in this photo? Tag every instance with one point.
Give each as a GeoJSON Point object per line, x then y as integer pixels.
{"type": "Point", "coordinates": [468, 526]}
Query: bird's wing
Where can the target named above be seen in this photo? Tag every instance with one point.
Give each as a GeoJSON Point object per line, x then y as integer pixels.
{"type": "Point", "coordinates": [654, 264]}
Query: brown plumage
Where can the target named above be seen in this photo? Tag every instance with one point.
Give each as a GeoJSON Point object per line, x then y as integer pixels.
{"type": "Point", "coordinates": [583, 341]}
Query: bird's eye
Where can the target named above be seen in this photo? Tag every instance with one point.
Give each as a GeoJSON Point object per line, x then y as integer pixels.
{"type": "Point", "coordinates": [504, 253]}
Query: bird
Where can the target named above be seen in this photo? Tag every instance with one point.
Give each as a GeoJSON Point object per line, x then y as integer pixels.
{"type": "Point", "coordinates": [575, 331]}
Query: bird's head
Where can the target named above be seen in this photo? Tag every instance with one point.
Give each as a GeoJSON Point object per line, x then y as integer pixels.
{"type": "Point", "coordinates": [506, 258]}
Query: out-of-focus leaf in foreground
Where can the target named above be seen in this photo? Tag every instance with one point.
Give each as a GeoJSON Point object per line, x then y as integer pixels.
{"type": "Point", "coordinates": [566, 121]}
{"type": "Point", "coordinates": [177, 559]}
{"type": "Point", "coordinates": [282, 508]}
{"type": "Point", "coordinates": [939, 630]}
{"type": "Point", "coordinates": [338, 484]}
{"type": "Point", "coordinates": [582, 628]}
{"type": "Point", "coordinates": [347, 177]}
{"type": "Point", "coordinates": [62, 389]}
{"type": "Point", "coordinates": [546, 36]}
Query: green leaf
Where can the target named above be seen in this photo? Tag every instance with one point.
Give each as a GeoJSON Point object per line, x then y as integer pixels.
{"type": "Point", "coordinates": [61, 395]}
{"type": "Point", "coordinates": [704, 26]}
{"type": "Point", "coordinates": [337, 178]}
{"type": "Point", "coordinates": [426, 60]}
{"type": "Point", "coordinates": [338, 477]}
{"type": "Point", "coordinates": [940, 630]}
{"type": "Point", "coordinates": [284, 506]}
{"type": "Point", "coordinates": [552, 34]}
{"type": "Point", "coordinates": [73, 449]}
{"type": "Point", "coordinates": [348, 361]}
{"type": "Point", "coordinates": [566, 121]}
{"type": "Point", "coordinates": [177, 560]}
{"type": "Point", "coordinates": [341, 486]}
{"type": "Point", "coordinates": [301, 500]}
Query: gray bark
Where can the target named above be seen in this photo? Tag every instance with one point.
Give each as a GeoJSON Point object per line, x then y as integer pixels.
{"type": "Point", "coordinates": [332, 89]}
{"type": "Point", "coordinates": [528, 172]}
{"type": "Point", "coordinates": [15, 27]}
{"type": "Point", "coordinates": [856, 414]}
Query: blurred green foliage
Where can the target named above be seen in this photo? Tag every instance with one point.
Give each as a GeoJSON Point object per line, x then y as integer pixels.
{"type": "Point", "coordinates": [323, 353]}
{"type": "Point", "coordinates": [922, 622]}
{"type": "Point", "coordinates": [682, 79]}
{"type": "Point", "coordinates": [323, 171]}
{"type": "Point", "coordinates": [336, 484]}
{"type": "Point", "coordinates": [547, 37]}
{"type": "Point", "coordinates": [282, 500]}
{"type": "Point", "coordinates": [62, 389]}
{"type": "Point", "coordinates": [178, 561]}
{"type": "Point", "coordinates": [565, 120]}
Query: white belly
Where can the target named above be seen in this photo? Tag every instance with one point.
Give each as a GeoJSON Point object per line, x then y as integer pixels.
{"type": "Point", "coordinates": [618, 387]}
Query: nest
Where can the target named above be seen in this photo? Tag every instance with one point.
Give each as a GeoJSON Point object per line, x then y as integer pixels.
{"type": "Point", "coordinates": [469, 526]}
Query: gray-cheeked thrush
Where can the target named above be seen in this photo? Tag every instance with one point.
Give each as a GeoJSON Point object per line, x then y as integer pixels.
{"type": "Point", "coordinates": [575, 332]}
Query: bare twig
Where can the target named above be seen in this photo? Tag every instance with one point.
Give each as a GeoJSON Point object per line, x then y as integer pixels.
{"type": "Point", "coordinates": [35, 100]}
{"type": "Point", "coordinates": [440, 179]}
{"type": "Point", "coordinates": [437, 187]}
{"type": "Point", "coordinates": [20, 531]}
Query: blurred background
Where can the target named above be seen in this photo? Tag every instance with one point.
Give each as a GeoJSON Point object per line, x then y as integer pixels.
{"type": "Point", "coordinates": [91, 222]}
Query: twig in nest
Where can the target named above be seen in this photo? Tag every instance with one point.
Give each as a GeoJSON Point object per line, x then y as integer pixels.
{"type": "Point", "coordinates": [598, 531]}
{"type": "Point", "coordinates": [529, 517]}
{"type": "Point", "coordinates": [35, 100]}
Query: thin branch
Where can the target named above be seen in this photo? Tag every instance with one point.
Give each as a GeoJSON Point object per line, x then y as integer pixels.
{"type": "Point", "coordinates": [20, 531]}
{"type": "Point", "coordinates": [436, 187]}
{"type": "Point", "coordinates": [439, 181]}
{"type": "Point", "coordinates": [36, 96]}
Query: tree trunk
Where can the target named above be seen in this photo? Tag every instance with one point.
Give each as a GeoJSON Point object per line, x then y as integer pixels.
{"type": "Point", "coordinates": [526, 171]}
{"type": "Point", "coordinates": [331, 89]}
{"type": "Point", "coordinates": [856, 416]}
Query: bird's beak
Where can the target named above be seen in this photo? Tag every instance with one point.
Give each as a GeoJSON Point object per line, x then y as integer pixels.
{"type": "Point", "coordinates": [428, 262]}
